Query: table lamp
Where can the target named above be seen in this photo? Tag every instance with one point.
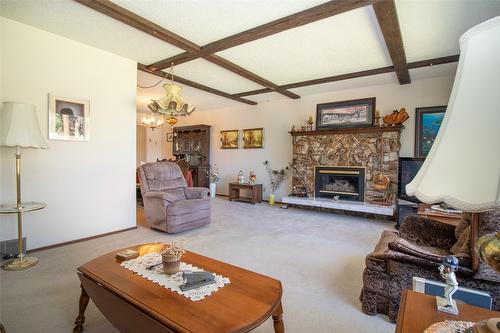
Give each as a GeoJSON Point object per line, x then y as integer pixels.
{"type": "Point", "coordinates": [462, 168]}
{"type": "Point", "coordinates": [19, 128]}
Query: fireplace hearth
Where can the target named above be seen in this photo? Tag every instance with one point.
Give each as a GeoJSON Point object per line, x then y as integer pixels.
{"type": "Point", "coordinates": [344, 183]}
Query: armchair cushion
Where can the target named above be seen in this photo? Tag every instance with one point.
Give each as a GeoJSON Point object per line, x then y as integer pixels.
{"type": "Point", "coordinates": [431, 253]}
{"type": "Point", "coordinates": [168, 197]}
{"type": "Point", "coordinates": [188, 206]}
{"type": "Point", "coordinates": [196, 192]}
{"type": "Point", "coordinates": [427, 232]}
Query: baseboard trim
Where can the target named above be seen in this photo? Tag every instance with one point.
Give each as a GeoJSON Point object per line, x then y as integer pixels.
{"type": "Point", "coordinates": [79, 240]}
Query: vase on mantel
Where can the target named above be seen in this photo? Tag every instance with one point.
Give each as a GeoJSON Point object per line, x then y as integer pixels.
{"type": "Point", "coordinates": [213, 189]}
{"type": "Point", "coordinates": [271, 199]}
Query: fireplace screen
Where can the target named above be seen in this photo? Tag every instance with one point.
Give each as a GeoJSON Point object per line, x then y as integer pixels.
{"type": "Point", "coordinates": [348, 183]}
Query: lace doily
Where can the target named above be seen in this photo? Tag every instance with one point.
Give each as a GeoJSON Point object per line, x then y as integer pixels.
{"type": "Point", "coordinates": [172, 282]}
{"type": "Point", "coordinates": [449, 326]}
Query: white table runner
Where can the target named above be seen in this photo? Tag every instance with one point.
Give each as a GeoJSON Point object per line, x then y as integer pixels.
{"type": "Point", "coordinates": [172, 282]}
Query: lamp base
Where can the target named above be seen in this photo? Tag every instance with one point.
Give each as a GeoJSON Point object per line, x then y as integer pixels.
{"type": "Point", "coordinates": [19, 264]}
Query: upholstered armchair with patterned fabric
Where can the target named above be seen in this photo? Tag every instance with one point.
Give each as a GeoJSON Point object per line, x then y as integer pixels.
{"type": "Point", "coordinates": [169, 205]}
{"type": "Point", "coordinates": [417, 250]}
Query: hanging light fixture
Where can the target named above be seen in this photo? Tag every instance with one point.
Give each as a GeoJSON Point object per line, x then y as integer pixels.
{"type": "Point", "coordinates": [152, 122]}
{"type": "Point", "coordinates": [171, 104]}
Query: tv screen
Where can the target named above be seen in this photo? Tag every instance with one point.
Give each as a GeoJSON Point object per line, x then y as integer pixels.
{"type": "Point", "coordinates": [408, 168]}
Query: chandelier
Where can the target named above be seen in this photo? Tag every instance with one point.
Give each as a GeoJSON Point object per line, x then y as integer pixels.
{"type": "Point", "coordinates": [152, 122]}
{"type": "Point", "coordinates": [171, 104]}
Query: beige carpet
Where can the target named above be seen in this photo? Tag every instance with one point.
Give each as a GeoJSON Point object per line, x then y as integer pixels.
{"type": "Point", "coordinates": [319, 258]}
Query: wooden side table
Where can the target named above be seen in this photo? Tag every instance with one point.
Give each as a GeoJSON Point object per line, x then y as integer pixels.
{"type": "Point", "coordinates": [452, 219]}
{"type": "Point", "coordinates": [418, 311]}
{"type": "Point", "coordinates": [234, 192]}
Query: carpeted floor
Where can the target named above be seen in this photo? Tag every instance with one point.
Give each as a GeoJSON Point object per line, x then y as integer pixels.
{"type": "Point", "coordinates": [319, 258]}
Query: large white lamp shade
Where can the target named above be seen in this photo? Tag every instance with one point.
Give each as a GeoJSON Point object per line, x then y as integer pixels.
{"type": "Point", "coordinates": [463, 165]}
{"type": "Point", "coordinates": [19, 126]}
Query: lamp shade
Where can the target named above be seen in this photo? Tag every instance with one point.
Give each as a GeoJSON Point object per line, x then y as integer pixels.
{"type": "Point", "coordinates": [19, 126]}
{"type": "Point", "coordinates": [462, 168]}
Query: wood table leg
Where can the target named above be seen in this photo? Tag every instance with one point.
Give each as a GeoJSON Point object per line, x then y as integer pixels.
{"type": "Point", "coordinates": [82, 306]}
{"type": "Point", "coordinates": [279, 327]}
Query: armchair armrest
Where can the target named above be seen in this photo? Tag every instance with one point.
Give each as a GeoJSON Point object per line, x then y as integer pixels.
{"type": "Point", "coordinates": [169, 198]}
{"type": "Point", "coordinates": [196, 192]}
{"type": "Point", "coordinates": [427, 232]}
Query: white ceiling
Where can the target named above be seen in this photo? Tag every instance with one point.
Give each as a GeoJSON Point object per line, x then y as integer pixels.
{"type": "Point", "coordinates": [341, 44]}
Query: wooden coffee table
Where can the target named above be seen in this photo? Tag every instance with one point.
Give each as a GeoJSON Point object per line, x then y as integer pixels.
{"type": "Point", "coordinates": [133, 304]}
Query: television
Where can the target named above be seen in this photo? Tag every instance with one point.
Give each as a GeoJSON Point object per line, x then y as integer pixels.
{"type": "Point", "coordinates": [408, 168]}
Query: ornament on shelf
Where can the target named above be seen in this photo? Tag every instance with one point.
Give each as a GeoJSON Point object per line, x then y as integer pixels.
{"type": "Point", "coordinates": [241, 178]}
{"type": "Point", "coordinates": [252, 178]}
{"type": "Point", "coordinates": [377, 117]}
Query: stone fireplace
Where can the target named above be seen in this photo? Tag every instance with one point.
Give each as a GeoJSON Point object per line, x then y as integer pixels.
{"type": "Point", "coordinates": [344, 183]}
{"type": "Point", "coordinates": [367, 150]}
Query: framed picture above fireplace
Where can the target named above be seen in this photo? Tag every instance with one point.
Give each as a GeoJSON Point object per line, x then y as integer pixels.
{"type": "Point", "coordinates": [352, 113]}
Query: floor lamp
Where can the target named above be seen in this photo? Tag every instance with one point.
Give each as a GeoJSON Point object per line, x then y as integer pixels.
{"type": "Point", "coordinates": [20, 129]}
{"type": "Point", "coordinates": [463, 166]}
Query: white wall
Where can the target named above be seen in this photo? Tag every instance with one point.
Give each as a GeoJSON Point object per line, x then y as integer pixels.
{"type": "Point", "coordinates": [89, 187]}
{"type": "Point", "coordinates": [278, 116]}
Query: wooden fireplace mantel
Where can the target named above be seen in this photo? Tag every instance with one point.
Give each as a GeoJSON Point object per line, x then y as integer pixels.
{"type": "Point", "coordinates": [354, 130]}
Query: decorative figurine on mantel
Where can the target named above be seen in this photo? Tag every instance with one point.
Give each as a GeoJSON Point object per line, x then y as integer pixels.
{"type": "Point", "coordinates": [377, 117]}
{"type": "Point", "coordinates": [396, 117]}
{"type": "Point", "coordinates": [309, 122]}
{"type": "Point", "coordinates": [447, 271]}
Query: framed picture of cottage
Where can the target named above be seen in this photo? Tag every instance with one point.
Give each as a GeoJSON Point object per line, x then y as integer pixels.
{"type": "Point", "coordinates": [69, 119]}
{"type": "Point", "coordinates": [427, 124]}
{"type": "Point", "coordinates": [253, 138]}
{"type": "Point", "coordinates": [352, 113]}
{"type": "Point", "coordinates": [229, 139]}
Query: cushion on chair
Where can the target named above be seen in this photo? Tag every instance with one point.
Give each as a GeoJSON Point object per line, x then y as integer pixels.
{"type": "Point", "coordinates": [187, 207]}
{"type": "Point", "coordinates": [431, 253]}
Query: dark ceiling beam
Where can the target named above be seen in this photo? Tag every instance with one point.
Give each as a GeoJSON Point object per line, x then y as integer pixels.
{"type": "Point", "coordinates": [307, 16]}
{"type": "Point", "coordinates": [341, 77]}
{"type": "Point", "coordinates": [387, 18]}
{"type": "Point", "coordinates": [129, 18]}
{"type": "Point", "coordinates": [192, 84]}
{"type": "Point", "coordinates": [125, 16]}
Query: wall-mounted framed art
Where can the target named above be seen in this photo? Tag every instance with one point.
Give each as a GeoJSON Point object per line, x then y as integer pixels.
{"type": "Point", "coordinates": [427, 124]}
{"type": "Point", "coordinates": [69, 119]}
{"type": "Point", "coordinates": [351, 113]}
{"type": "Point", "coordinates": [229, 139]}
{"type": "Point", "coordinates": [253, 138]}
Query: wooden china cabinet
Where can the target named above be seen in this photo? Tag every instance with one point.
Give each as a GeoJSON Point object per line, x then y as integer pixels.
{"type": "Point", "coordinates": [192, 143]}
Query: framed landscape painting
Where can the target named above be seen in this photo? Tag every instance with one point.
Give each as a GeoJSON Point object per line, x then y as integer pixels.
{"type": "Point", "coordinates": [69, 119]}
{"type": "Point", "coordinates": [427, 124]}
{"type": "Point", "coordinates": [353, 113]}
{"type": "Point", "coordinates": [253, 138]}
{"type": "Point", "coordinates": [229, 139]}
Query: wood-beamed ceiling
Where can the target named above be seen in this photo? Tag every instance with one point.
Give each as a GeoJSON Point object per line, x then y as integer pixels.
{"type": "Point", "coordinates": [310, 15]}
{"type": "Point", "coordinates": [385, 11]}
{"type": "Point", "coordinates": [125, 16]}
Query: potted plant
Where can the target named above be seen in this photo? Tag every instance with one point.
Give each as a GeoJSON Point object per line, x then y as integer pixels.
{"type": "Point", "coordinates": [213, 178]}
{"type": "Point", "coordinates": [276, 178]}
{"type": "Point", "coordinates": [171, 255]}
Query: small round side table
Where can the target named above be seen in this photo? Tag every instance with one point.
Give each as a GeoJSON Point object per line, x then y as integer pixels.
{"type": "Point", "coordinates": [22, 261]}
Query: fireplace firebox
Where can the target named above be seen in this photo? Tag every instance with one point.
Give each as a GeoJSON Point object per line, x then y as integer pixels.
{"type": "Point", "coordinates": [346, 183]}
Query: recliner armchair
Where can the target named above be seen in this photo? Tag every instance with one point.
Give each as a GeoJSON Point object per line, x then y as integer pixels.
{"type": "Point", "coordinates": [169, 205]}
{"type": "Point", "coordinates": [417, 250]}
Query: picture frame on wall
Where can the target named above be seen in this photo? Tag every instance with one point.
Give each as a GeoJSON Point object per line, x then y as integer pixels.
{"type": "Point", "coordinates": [427, 124]}
{"type": "Point", "coordinates": [69, 119]}
{"type": "Point", "coordinates": [170, 137]}
{"type": "Point", "coordinates": [253, 138]}
{"type": "Point", "coordinates": [229, 139]}
{"type": "Point", "coordinates": [345, 114]}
